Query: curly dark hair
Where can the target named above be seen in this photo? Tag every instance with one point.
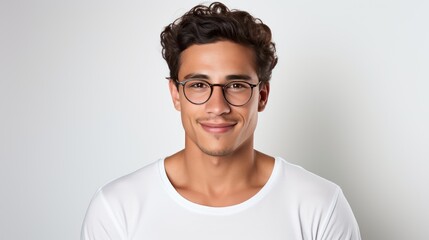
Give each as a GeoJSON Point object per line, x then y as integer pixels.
{"type": "Point", "coordinates": [209, 24]}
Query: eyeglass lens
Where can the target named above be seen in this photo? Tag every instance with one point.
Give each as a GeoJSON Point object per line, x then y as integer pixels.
{"type": "Point", "coordinates": [236, 92]}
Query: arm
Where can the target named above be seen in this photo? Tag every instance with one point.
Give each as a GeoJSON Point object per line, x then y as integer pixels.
{"type": "Point", "coordinates": [340, 224]}
{"type": "Point", "coordinates": [100, 221]}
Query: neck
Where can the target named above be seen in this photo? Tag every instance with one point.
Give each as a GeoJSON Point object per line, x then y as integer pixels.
{"type": "Point", "coordinates": [220, 171]}
{"type": "Point", "coordinates": [213, 167]}
{"type": "Point", "coordinates": [218, 180]}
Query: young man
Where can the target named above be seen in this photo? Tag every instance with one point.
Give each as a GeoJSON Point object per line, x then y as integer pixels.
{"type": "Point", "coordinates": [219, 186]}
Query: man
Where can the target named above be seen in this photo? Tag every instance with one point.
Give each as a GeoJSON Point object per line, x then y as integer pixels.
{"type": "Point", "coordinates": [219, 186]}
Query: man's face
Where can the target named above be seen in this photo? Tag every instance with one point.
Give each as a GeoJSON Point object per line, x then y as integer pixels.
{"type": "Point", "coordinates": [217, 128]}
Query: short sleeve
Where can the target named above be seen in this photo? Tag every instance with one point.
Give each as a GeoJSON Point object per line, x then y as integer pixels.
{"type": "Point", "coordinates": [341, 223]}
{"type": "Point", "coordinates": [100, 222]}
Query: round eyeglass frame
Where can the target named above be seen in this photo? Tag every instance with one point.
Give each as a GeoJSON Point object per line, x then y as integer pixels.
{"type": "Point", "coordinates": [223, 86]}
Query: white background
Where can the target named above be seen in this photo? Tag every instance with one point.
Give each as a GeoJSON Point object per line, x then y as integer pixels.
{"type": "Point", "coordinates": [83, 100]}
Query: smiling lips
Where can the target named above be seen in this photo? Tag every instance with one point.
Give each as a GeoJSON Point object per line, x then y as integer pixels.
{"type": "Point", "coordinates": [217, 127]}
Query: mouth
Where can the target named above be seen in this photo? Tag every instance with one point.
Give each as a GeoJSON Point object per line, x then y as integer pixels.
{"type": "Point", "coordinates": [217, 127]}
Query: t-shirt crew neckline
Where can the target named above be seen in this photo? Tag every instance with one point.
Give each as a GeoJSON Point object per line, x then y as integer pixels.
{"type": "Point", "coordinates": [172, 192]}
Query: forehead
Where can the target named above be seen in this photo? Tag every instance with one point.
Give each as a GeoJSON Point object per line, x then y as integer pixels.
{"type": "Point", "coordinates": [217, 60]}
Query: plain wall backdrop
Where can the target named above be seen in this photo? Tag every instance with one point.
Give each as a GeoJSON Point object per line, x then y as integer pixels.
{"type": "Point", "coordinates": [83, 100]}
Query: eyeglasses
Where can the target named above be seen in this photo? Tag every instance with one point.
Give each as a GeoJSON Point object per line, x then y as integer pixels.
{"type": "Point", "coordinates": [236, 93]}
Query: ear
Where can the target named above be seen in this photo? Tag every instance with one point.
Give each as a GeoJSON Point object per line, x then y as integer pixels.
{"type": "Point", "coordinates": [175, 96]}
{"type": "Point", "coordinates": [264, 91]}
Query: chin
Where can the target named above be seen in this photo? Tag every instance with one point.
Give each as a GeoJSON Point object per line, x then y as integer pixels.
{"type": "Point", "coordinates": [217, 152]}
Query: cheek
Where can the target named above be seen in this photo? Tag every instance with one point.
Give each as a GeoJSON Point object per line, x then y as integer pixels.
{"type": "Point", "coordinates": [188, 113]}
{"type": "Point", "coordinates": [250, 117]}
{"type": "Point", "coordinates": [187, 122]}
{"type": "Point", "coordinates": [253, 120]}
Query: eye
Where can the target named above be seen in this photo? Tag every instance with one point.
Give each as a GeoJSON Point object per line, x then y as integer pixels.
{"type": "Point", "coordinates": [237, 86]}
{"type": "Point", "coordinates": [197, 84]}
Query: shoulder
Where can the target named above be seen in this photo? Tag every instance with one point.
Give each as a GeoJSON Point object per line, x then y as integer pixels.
{"type": "Point", "coordinates": [298, 178]}
{"type": "Point", "coordinates": [317, 201]}
{"type": "Point", "coordinates": [304, 187]}
{"type": "Point", "coordinates": [124, 196]}
{"type": "Point", "coordinates": [133, 183]}
{"type": "Point", "coordinates": [118, 202]}
{"type": "Point", "coordinates": [130, 190]}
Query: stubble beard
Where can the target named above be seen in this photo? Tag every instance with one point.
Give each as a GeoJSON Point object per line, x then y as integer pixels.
{"type": "Point", "coordinates": [216, 153]}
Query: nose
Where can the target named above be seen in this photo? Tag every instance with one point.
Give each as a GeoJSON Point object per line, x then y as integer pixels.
{"type": "Point", "coordinates": [217, 105]}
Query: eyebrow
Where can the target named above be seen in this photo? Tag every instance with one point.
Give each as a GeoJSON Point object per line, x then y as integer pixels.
{"type": "Point", "coordinates": [196, 75]}
{"type": "Point", "coordinates": [229, 77]}
{"type": "Point", "coordinates": [238, 77]}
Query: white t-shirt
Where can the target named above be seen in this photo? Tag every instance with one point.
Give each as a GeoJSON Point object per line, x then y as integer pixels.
{"type": "Point", "coordinates": [293, 204]}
